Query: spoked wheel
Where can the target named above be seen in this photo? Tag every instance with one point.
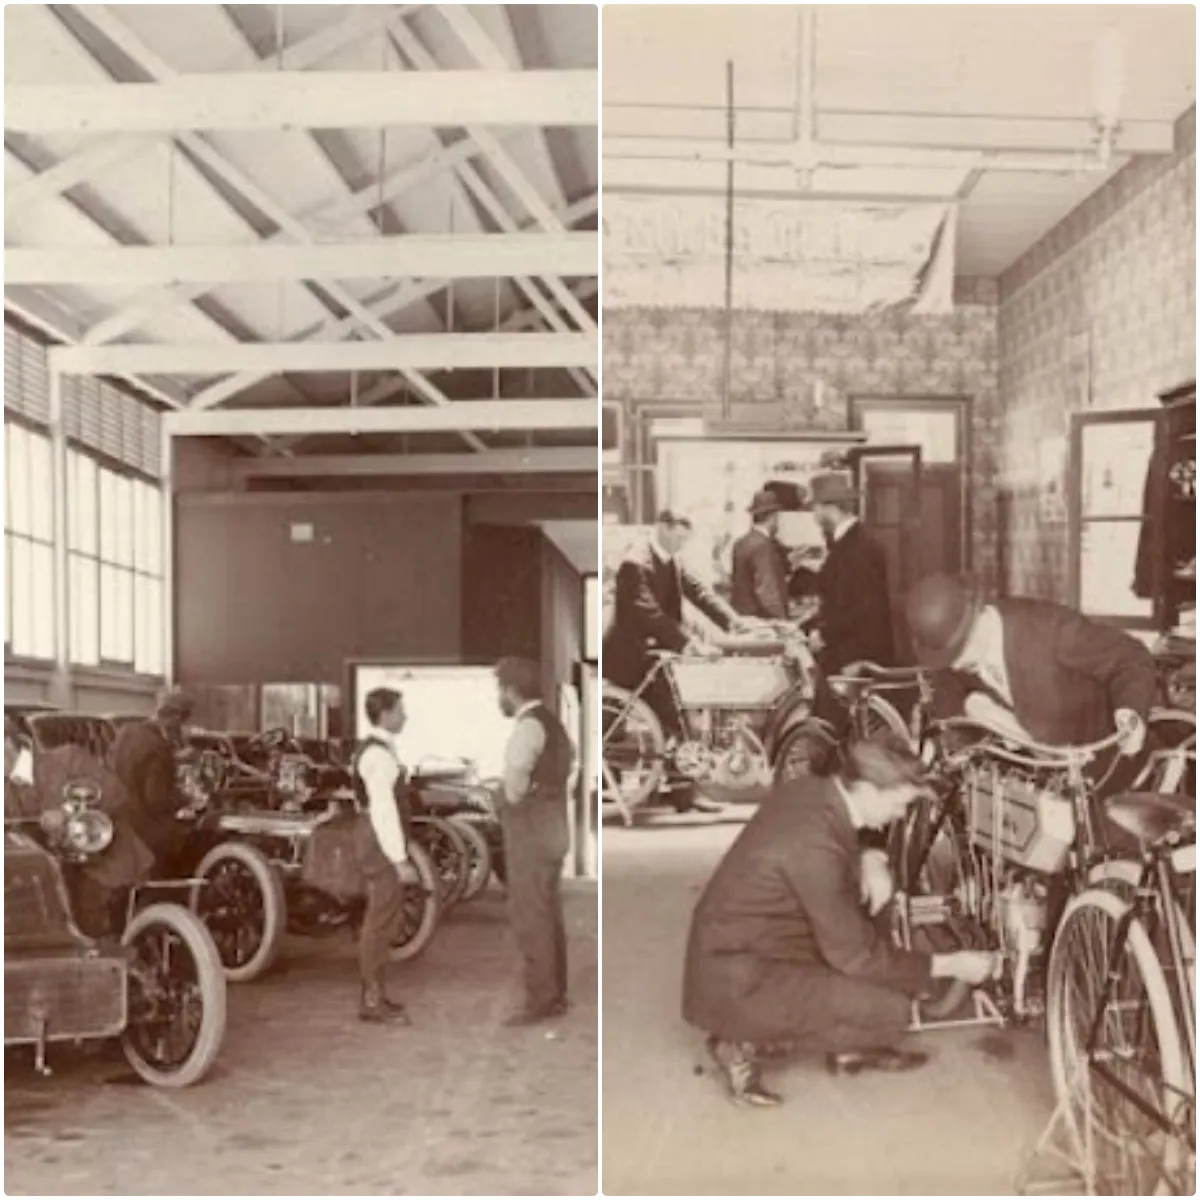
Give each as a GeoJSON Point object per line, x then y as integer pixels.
{"type": "Point", "coordinates": [805, 750]}
{"type": "Point", "coordinates": [422, 907]}
{"type": "Point", "coordinates": [634, 749]}
{"type": "Point", "coordinates": [176, 997]}
{"type": "Point", "coordinates": [447, 849]}
{"type": "Point", "coordinates": [932, 869]}
{"type": "Point", "coordinates": [240, 900]}
{"type": "Point", "coordinates": [479, 857]}
{"type": "Point", "coordinates": [1119, 1064]}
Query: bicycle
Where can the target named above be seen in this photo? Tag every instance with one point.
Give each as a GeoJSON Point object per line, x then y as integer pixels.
{"type": "Point", "coordinates": [990, 859]}
{"type": "Point", "coordinates": [1121, 1011]}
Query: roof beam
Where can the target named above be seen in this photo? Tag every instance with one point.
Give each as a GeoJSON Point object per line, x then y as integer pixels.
{"type": "Point", "coordinates": [288, 224]}
{"type": "Point", "coordinates": [485, 415]}
{"type": "Point", "coordinates": [91, 161]}
{"type": "Point", "coordinates": [505, 165]}
{"type": "Point", "coordinates": [281, 100]}
{"type": "Point", "coordinates": [448, 256]}
{"type": "Point", "coordinates": [416, 351]}
{"type": "Point", "coordinates": [543, 460]}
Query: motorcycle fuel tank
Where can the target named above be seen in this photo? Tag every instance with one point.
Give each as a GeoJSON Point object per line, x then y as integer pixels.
{"type": "Point", "coordinates": [732, 683]}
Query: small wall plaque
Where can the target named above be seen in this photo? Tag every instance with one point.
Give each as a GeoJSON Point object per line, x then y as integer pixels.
{"type": "Point", "coordinates": [303, 531]}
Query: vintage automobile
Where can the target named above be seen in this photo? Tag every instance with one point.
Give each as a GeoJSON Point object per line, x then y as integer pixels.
{"type": "Point", "coordinates": [737, 711]}
{"type": "Point", "coordinates": [159, 988]}
{"type": "Point", "coordinates": [248, 867]}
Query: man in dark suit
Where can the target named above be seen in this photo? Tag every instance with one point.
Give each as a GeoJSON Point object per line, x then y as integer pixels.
{"type": "Point", "coordinates": [791, 943]}
{"type": "Point", "coordinates": [1040, 668]}
{"type": "Point", "coordinates": [143, 759]}
{"type": "Point", "coordinates": [650, 589]}
{"type": "Point", "coordinates": [759, 574]}
{"type": "Point", "coordinates": [855, 621]}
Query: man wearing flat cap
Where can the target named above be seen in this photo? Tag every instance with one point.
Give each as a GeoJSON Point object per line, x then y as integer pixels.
{"type": "Point", "coordinates": [791, 941]}
{"type": "Point", "coordinates": [143, 759]}
{"type": "Point", "coordinates": [759, 574]}
{"type": "Point", "coordinates": [1040, 669]}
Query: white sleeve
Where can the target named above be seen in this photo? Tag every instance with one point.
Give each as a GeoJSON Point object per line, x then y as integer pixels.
{"type": "Point", "coordinates": [521, 758]}
{"type": "Point", "coordinates": [379, 772]}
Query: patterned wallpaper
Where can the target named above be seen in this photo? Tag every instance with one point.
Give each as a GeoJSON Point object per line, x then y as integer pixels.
{"type": "Point", "coordinates": [1101, 313]}
{"type": "Point", "coordinates": [677, 356]}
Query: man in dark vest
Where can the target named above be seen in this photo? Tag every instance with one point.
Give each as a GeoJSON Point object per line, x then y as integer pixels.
{"type": "Point", "coordinates": [381, 848]}
{"type": "Point", "coordinates": [143, 759]}
{"type": "Point", "coordinates": [533, 812]}
{"type": "Point", "coordinates": [759, 576]}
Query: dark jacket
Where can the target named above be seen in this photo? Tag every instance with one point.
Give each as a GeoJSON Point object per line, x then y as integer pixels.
{"type": "Point", "coordinates": [759, 577]}
{"type": "Point", "coordinates": [144, 761]}
{"type": "Point", "coordinates": [648, 614]}
{"type": "Point", "coordinates": [856, 615]}
{"type": "Point", "coordinates": [788, 892]}
{"type": "Point", "coordinates": [1067, 674]}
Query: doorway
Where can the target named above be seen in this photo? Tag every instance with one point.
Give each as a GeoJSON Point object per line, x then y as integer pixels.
{"type": "Point", "coordinates": [940, 428]}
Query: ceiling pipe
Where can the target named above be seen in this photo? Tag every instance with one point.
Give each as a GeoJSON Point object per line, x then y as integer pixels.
{"type": "Point", "coordinates": [806, 154]}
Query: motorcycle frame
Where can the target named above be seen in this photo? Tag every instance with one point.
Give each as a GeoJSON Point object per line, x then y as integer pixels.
{"type": "Point", "coordinates": [1085, 852]}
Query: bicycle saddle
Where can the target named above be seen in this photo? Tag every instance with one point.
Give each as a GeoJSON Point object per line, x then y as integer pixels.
{"type": "Point", "coordinates": [1151, 817]}
{"type": "Point", "coordinates": [857, 678]}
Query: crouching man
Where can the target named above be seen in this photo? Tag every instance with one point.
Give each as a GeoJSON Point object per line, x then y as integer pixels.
{"type": "Point", "coordinates": [784, 948]}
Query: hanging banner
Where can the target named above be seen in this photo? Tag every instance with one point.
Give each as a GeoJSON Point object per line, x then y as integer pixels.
{"type": "Point", "coordinates": [788, 255]}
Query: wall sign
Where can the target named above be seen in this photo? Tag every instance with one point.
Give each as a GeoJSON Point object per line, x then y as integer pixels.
{"type": "Point", "coordinates": [789, 256]}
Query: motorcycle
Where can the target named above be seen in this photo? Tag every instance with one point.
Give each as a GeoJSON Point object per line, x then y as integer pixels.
{"type": "Point", "coordinates": [736, 710]}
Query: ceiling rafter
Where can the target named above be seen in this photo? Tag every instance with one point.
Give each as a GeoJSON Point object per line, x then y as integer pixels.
{"type": "Point", "coordinates": [111, 152]}
{"type": "Point", "coordinates": [105, 22]}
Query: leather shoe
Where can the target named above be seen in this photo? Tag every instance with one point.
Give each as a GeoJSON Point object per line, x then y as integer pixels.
{"type": "Point", "coordinates": [377, 1009]}
{"type": "Point", "coordinates": [885, 1058]}
{"type": "Point", "coordinates": [702, 804]}
{"type": "Point", "coordinates": [535, 1016]}
{"type": "Point", "coordinates": [739, 1067]}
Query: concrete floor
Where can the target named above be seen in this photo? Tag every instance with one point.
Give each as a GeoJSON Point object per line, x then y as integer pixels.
{"type": "Point", "coordinates": [306, 1100]}
{"type": "Point", "coordinates": [963, 1125]}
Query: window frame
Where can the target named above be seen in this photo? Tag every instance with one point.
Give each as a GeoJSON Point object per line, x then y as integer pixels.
{"type": "Point", "coordinates": [1076, 521]}
{"type": "Point", "coordinates": [12, 653]}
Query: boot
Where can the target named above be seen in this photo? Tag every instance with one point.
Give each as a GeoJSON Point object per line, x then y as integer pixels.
{"type": "Point", "coordinates": [739, 1066]}
{"type": "Point", "coordinates": [376, 1008]}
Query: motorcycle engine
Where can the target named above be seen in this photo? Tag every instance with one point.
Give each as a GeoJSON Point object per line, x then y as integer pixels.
{"type": "Point", "coordinates": [727, 752]}
{"type": "Point", "coordinates": [1021, 920]}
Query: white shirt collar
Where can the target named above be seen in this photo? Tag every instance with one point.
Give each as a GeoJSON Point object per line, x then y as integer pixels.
{"type": "Point", "coordinates": [985, 645]}
{"type": "Point", "coordinates": [379, 734]}
{"type": "Point", "coordinates": [843, 527]}
{"type": "Point", "coordinates": [659, 552]}
{"type": "Point", "coordinates": [855, 818]}
{"type": "Point", "coordinates": [527, 707]}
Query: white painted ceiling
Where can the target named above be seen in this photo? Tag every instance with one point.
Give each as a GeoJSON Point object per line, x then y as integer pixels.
{"type": "Point", "coordinates": [664, 73]}
{"type": "Point", "coordinates": [159, 194]}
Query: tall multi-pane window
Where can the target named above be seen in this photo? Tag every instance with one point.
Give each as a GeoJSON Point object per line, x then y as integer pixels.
{"type": "Point", "coordinates": [28, 544]}
{"type": "Point", "coordinates": [116, 569]}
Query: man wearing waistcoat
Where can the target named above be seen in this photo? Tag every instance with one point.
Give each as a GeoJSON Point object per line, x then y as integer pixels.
{"type": "Point", "coordinates": [381, 848]}
{"type": "Point", "coordinates": [533, 813]}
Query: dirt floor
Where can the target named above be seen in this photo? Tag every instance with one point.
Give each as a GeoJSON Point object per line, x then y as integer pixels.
{"type": "Point", "coordinates": [963, 1125]}
{"type": "Point", "coordinates": [306, 1100]}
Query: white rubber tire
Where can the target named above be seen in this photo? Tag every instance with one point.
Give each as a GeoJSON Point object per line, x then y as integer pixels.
{"type": "Point", "coordinates": [211, 977]}
{"type": "Point", "coordinates": [617, 701]}
{"type": "Point", "coordinates": [270, 887]}
{"type": "Point", "coordinates": [1172, 1054]}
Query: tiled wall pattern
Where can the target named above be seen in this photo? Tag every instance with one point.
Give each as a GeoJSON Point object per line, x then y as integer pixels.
{"type": "Point", "coordinates": [1101, 312]}
{"type": "Point", "coordinates": [677, 356]}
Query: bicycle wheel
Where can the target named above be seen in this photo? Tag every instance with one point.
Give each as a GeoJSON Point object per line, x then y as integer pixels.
{"type": "Point", "coordinates": [1126, 1089]}
{"type": "Point", "coordinates": [933, 869]}
{"type": "Point", "coordinates": [634, 748]}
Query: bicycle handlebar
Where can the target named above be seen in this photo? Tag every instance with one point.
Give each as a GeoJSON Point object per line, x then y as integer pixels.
{"type": "Point", "coordinates": [1067, 755]}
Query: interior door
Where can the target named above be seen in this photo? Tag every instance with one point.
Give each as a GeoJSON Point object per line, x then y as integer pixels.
{"type": "Point", "coordinates": [888, 481]}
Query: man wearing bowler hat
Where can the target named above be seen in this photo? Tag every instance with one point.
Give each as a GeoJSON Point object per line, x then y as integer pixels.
{"type": "Point", "coordinates": [1040, 669]}
{"type": "Point", "coordinates": [759, 577]}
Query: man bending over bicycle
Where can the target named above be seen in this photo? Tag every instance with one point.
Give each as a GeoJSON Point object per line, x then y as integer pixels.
{"type": "Point", "coordinates": [1040, 669]}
